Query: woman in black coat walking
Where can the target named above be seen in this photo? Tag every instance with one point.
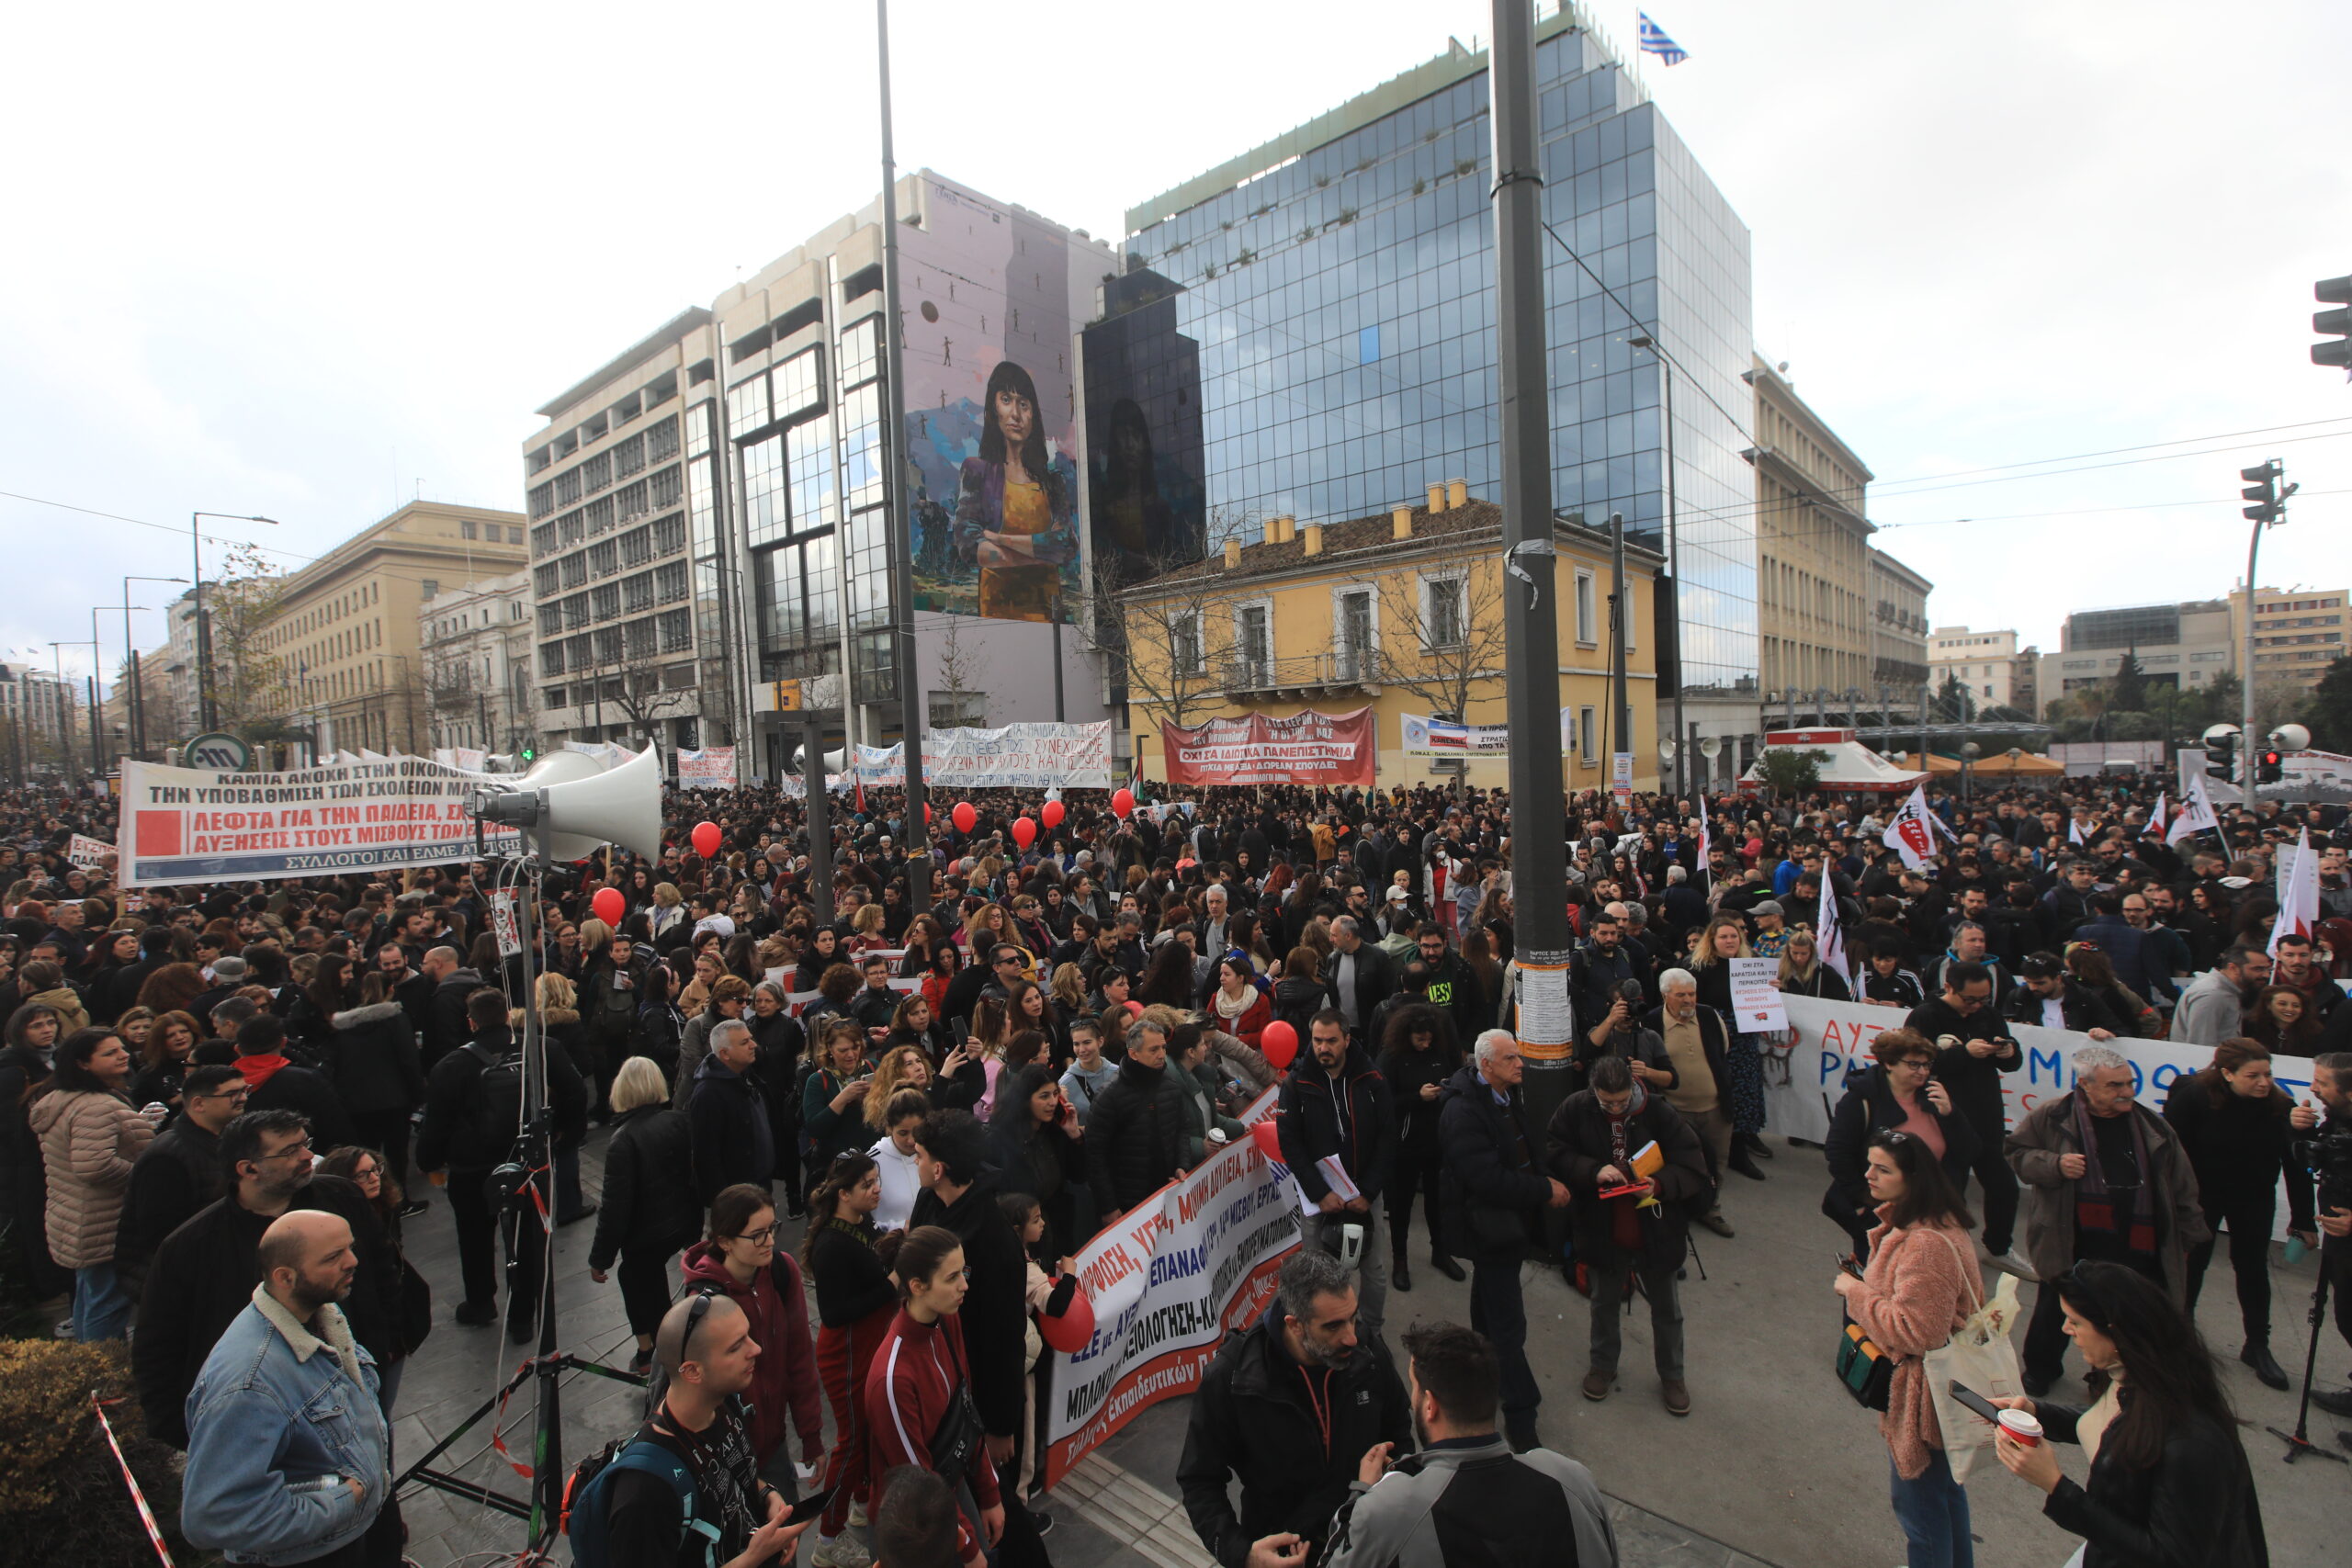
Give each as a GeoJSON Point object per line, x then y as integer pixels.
{"type": "Point", "coordinates": [2170, 1481]}
{"type": "Point", "coordinates": [1417, 1057]}
{"type": "Point", "coordinates": [648, 1213]}
{"type": "Point", "coordinates": [1034, 1142]}
{"type": "Point", "coordinates": [2232, 1123]}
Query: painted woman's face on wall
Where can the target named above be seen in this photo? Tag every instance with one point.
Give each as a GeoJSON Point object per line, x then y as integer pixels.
{"type": "Point", "coordinates": [1015, 415]}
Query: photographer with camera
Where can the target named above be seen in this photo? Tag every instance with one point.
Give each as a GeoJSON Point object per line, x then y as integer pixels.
{"type": "Point", "coordinates": [2324, 1143]}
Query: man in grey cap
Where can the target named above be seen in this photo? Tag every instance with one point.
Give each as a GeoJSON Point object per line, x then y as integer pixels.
{"type": "Point", "coordinates": [228, 975]}
{"type": "Point", "coordinates": [1770, 936]}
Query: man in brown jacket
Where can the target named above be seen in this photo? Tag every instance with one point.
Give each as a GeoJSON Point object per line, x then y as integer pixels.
{"type": "Point", "coordinates": [2104, 1178]}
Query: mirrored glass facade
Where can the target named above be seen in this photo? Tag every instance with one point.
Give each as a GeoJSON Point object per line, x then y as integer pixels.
{"type": "Point", "coordinates": [1339, 308]}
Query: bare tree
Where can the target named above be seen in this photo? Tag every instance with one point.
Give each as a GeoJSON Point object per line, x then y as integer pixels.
{"type": "Point", "coordinates": [1156, 631]}
{"type": "Point", "coordinates": [247, 683]}
{"type": "Point", "coordinates": [643, 700]}
{"type": "Point", "coordinates": [959, 678]}
{"type": "Point", "coordinates": [1447, 635]}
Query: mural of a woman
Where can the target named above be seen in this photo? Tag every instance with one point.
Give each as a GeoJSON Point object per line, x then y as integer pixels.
{"type": "Point", "coordinates": [1014, 506]}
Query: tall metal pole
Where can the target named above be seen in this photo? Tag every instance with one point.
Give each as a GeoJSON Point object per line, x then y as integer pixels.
{"type": "Point", "coordinates": [203, 631]}
{"type": "Point", "coordinates": [1621, 605]}
{"type": "Point", "coordinates": [97, 652]}
{"type": "Point", "coordinates": [1530, 607]}
{"type": "Point", "coordinates": [894, 441]}
{"type": "Point", "coordinates": [1674, 585]}
{"type": "Point", "coordinates": [2245, 688]}
{"type": "Point", "coordinates": [819, 801]}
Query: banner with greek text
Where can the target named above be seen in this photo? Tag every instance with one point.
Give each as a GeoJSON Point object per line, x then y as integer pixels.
{"type": "Point", "coordinates": [1805, 1071]}
{"type": "Point", "coordinates": [1018, 755]}
{"type": "Point", "coordinates": [1168, 1282]}
{"type": "Point", "coordinates": [711, 768]}
{"type": "Point", "coordinates": [86, 854]}
{"type": "Point", "coordinates": [187, 825]}
{"type": "Point", "coordinates": [1310, 749]}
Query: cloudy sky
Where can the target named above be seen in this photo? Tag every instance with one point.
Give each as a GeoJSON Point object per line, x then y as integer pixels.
{"type": "Point", "coordinates": [311, 262]}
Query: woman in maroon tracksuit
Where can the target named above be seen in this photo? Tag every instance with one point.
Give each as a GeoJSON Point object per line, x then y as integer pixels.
{"type": "Point", "coordinates": [741, 1261]}
{"type": "Point", "coordinates": [919, 1406]}
{"type": "Point", "coordinates": [856, 1300]}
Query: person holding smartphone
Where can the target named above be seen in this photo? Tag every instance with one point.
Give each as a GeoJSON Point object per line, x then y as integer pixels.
{"type": "Point", "coordinates": [1921, 1285]}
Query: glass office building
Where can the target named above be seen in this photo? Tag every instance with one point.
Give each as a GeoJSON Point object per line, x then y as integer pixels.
{"type": "Point", "coordinates": [1317, 338]}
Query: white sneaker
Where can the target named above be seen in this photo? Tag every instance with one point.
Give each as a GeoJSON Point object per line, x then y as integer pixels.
{"type": "Point", "coordinates": [844, 1551]}
{"type": "Point", "coordinates": [858, 1515]}
{"type": "Point", "coordinates": [2007, 1263]}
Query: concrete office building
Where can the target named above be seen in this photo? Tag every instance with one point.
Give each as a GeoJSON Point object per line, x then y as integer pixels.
{"type": "Point", "coordinates": [476, 640]}
{"type": "Point", "coordinates": [1306, 330]}
{"type": "Point", "coordinates": [345, 630]}
{"type": "Point", "coordinates": [1812, 592]}
{"type": "Point", "coordinates": [2298, 632]}
{"type": "Point", "coordinates": [1995, 671]}
{"type": "Point", "coordinates": [2189, 645]}
{"type": "Point", "coordinates": [739, 585]}
{"type": "Point", "coordinates": [1898, 628]}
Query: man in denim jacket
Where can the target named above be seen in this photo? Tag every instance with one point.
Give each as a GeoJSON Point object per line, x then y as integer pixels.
{"type": "Point", "coordinates": [289, 1458]}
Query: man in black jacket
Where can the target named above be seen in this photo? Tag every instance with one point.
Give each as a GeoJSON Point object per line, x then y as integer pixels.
{"type": "Point", "coordinates": [473, 1113]}
{"type": "Point", "coordinates": [204, 1273]}
{"type": "Point", "coordinates": [1453, 986]}
{"type": "Point", "coordinates": [609, 999]}
{"type": "Point", "coordinates": [445, 1026]}
{"type": "Point", "coordinates": [1358, 976]}
{"type": "Point", "coordinates": [2044, 995]}
{"type": "Point", "coordinates": [1292, 1405]}
{"type": "Point", "coordinates": [732, 1141]}
{"type": "Point", "coordinates": [1590, 1148]}
{"type": "Point", "coordinates": [1135, 1133]}
{"type": "Point", "coordinates": [178, 1173]}
{"type": "Point", "coordinates": [276, 1084]}
{"type": "Point", "coordinates": [1971, 1067]}
{"type": "Point", "coordinates": [1600, 965]}
{"type": "Point", "coordinates": [1337, 1106]}
{"type": "Point", "coordinates": [1494, 1192]}
{"type": "Point", "coordinates": [959, 1193]}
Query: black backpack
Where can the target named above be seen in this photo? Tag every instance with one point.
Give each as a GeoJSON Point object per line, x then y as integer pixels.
{"type": "Point", "coordinates": [495, 1114]}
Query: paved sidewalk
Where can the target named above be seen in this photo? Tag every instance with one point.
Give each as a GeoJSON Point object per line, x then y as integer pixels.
{"type": "Point", "coordinates": [1774, 1465]}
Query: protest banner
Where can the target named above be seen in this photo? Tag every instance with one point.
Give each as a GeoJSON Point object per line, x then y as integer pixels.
{"type": "Point", "coordinates": [1017, 755]}
{"type": "Point", "coordinates": [1426, 736]}
{"type": "Point", "coordinates": [86, 854]}
{"type": "Point", "coordinates": [711, 768]}
{"type": "Point", "coordinates": [1168, 1282]}
{"type": "Point", "coordinates": [183, 826]}
{"type": "Point", "coordinates": [1319, 749]}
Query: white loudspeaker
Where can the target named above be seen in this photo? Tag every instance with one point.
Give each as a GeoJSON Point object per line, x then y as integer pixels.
{"type": "Point", "coordinates": [559, 767]}
{"type": "Point", "coordinates": [836, 762]}
{"type": "Point", "coordinates": [620, 805]}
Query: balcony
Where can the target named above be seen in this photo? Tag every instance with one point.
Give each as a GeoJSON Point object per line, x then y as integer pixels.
{"type": "Point", "coordinates": [1303, 675]}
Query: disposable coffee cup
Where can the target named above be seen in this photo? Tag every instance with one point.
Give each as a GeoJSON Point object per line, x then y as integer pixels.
{"type": "Point", "coordinates": [2023, 1426]}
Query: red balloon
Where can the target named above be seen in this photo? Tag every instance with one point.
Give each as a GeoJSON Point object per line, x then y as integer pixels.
{"type": "Point", "coordinates": [966, 817]}
{"type": "Point", "coordinates": [1024, 831]}
{"type": "Point", "coordinates": [1052, 813]}
{"type": "Point", "coordinates": [1268, 1137]}
{"type": "Point", "coordinates": [1278, 1042]}
{"type": "Point", "coordinates": [1123, 801]}
{"type": "Point", "coordinates": [609, 906]}
{"type": "Point", "coordinates": [1135, 1010]}
{"type": "Point", "coordinates": [706, 840]}
{"type": "Point", "coordinates": [926, 814]}
{"type": "Point", "coordinates": [1068, 1329]}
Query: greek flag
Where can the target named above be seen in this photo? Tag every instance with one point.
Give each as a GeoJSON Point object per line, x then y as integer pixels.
{"type": "Point", "coordinates": [1654, 41]}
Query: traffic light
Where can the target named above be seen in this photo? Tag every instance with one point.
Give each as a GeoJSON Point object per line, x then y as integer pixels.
{"type": "Point", "coordinates": [530, 755]}
{"type": "Point", "coordinates": [2220, 756]}
{"type": "Point", "coordinates": [2269, 768]}
{"type": "Point", "coordinates": [2339, 323]}
{"type": "Point", "coordinates": [2262, 489]}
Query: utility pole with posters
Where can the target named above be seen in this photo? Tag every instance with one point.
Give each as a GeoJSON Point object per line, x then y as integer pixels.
{"type": "Point", "coordinates": [1530, 607]}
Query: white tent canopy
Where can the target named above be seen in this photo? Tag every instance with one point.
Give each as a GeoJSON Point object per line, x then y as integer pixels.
{"type": "Point", "coordinates": [1846, 762]}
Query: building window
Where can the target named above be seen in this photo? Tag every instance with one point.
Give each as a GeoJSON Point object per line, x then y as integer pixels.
{"type": "Point", "coordinates": [1254, 645]}
{"type": "Point", "coordinates": [1184, 643]}
{"type": "Point", "coordinates": [1368, 345]}
{"type": "Point", "coordinates": [797, 384]}
{"type": "Point", "coordinates": [966, 710]}
{"type": "Point", "coordinates": [677, 631]}
{"type": "Point", "coordinates": [1443, 612]}
{"type": "Point", "coordinates": [1585, 736]}
{"type": "Point", "coordinates": [1586, 633]}
{"type": "Point", "coordinates": [1352, 634]}
{"type": "Point", "coordinates": [466, 529]}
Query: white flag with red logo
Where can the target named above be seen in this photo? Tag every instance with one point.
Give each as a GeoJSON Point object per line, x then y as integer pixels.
{"type": "Point", "coordinates": [2155, 817]}
{"type": "Point", "coordinates": [2298, 907]}
{"type": "Point", "coordinates": [1912, 834]}
{"type": "Point", "coordinates": [1706, 853]}
{"type": "Point", "coordinates": [1829, 938]}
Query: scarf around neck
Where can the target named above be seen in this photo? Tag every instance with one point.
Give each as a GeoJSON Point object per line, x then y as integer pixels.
{"type": "Point", "coordinates": [2095, 1205]}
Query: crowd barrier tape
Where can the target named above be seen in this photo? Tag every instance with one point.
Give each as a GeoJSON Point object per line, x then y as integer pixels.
{"type": "Point", "coordinates": [1177, 1272]}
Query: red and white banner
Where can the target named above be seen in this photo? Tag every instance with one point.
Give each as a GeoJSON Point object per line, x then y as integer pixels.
{"type": "Point", "coordinates": [712, 768]}
{"type": "Point", "coordinates": [1168, 1282]}
{"type": "Point", "coordinates": [1320, 750]}
{"type": "Point", "coordinates": [1912, 834]}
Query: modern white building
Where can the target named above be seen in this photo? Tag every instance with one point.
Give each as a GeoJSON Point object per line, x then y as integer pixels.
{"type": "Point", "coordinates": [1988, 663]}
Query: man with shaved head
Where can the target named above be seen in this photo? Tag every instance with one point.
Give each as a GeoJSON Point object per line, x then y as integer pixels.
{"type": "Point", "coordinates": [289, 1451]}
{"type": "Point", "coordinates": [707, 1350]}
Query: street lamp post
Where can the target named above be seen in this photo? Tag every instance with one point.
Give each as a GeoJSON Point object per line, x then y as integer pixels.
{"type": "Point", "coordinates": [203, 626]}
{"type": "Point", "coordinates": [1968, 753]}
{"type": "Point", "coordinates": [134, 710]}
{"type": "Point", "coordinates": [64, 708]}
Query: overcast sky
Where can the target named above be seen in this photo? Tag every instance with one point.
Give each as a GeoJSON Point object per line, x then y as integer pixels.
{"type": "Point", "coordinates": [310, 263]}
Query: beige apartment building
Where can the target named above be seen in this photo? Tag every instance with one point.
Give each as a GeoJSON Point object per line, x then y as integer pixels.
{"type": "Point", "coordinates": [2298, 633]}
{"type": "Point", "coordinates": [2189, 645]}
{"type": "Point", "coordinates": [346, 628]}
{"type": "Point", "coordinates": [1899, 663]}
{"type": "Point", "coordinates": [1995, 671]}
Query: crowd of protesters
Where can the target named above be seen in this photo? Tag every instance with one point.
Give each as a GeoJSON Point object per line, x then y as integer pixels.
{"type": "Point", "coordinates": [219, 1105]}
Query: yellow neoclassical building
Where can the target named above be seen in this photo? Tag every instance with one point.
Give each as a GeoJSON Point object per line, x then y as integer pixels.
{"type": "Point", "coordinates": [1402, 613]}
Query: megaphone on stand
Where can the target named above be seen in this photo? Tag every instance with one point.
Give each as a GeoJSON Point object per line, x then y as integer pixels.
{"type": "Point", "coordinates": [576, 807]}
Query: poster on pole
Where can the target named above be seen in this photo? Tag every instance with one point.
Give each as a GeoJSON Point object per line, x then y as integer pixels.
{"type": "Point", "coordinates": [1168, 1282]}
{"type": "Point", "coordinates": [1755, 996]}
{"type": "Point", "coordinates": [187, 825]}
{"type": "Point", "coordinates": [1311, 748]}
{"type": "Point", "coordinates": [1621, 777]}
